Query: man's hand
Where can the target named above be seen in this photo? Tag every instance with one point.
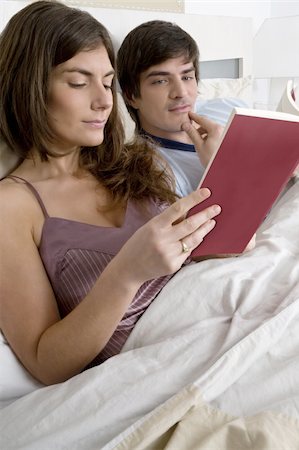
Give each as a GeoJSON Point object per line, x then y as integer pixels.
{"type": "Point", "coordinates": [205, 135]}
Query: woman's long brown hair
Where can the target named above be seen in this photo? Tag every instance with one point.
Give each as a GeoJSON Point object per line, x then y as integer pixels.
{"type": "Point", "coordinates": [38, 38]}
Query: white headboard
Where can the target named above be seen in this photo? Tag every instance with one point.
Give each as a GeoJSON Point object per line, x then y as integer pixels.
{"type": "Point", "coordinates": [219, 38]}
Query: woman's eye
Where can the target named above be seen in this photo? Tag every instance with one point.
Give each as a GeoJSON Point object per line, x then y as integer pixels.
{"type": "Point", "coordinates": [77, 85]}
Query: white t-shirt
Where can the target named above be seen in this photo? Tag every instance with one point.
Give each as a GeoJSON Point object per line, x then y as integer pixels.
{"type": "Point", "coordinates": [186, 166]}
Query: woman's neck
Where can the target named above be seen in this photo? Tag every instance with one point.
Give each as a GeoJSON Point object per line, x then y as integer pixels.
{"type": "Point", "coordinates": [54, 167]}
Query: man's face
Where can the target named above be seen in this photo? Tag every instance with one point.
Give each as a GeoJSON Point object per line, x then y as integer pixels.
{"type": "Point", "coordinates": [167, 93]}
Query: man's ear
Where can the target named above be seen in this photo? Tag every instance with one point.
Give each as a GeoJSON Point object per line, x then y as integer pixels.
{"type": "Point", "coordinates": [133, 102]}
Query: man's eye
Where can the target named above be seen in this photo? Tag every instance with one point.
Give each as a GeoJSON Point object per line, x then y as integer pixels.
{"type": "Point", "coordinates": [187, 78]}
{"type": "Point", "coordinates": [109, 88]}
{"type": "Point", "coordinates": [159, 81]}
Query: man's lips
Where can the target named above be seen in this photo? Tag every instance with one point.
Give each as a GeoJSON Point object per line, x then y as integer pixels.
{"type": "Point", "coordinates": [180, 108]}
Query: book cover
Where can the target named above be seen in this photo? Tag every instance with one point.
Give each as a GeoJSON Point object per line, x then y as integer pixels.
{"type": "Point", "coordinates": [257, 156]}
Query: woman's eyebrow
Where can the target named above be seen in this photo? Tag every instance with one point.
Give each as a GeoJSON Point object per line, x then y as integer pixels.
{"type": "Point", "coordinates": [87, 72]}
{"type": "Point", "coordinates": [110, 73]}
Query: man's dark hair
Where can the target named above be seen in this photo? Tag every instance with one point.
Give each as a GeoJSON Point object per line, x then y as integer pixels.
{"type": "Point", "coordinates": [147, 45]}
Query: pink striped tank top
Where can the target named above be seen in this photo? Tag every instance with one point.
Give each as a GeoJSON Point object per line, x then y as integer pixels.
{"type": "Point", "coordinates": [74, 255]}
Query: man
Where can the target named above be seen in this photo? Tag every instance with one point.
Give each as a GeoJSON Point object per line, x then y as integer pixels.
{"type": "Point", "coordinates": [158, 71]}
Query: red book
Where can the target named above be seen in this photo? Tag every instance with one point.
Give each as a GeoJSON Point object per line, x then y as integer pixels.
{"type": "Point", "coordinates": [257, 156]}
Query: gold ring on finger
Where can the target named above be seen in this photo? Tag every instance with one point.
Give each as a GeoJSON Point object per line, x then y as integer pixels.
{"type": "Point", "coordinates": [185, 248]}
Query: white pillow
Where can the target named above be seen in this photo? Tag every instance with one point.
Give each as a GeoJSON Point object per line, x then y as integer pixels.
{"type": "Point", "coordinates": [218, 109]}
{"type": "Point", "coordinates": [128, 122]}
{"type": "Point", "coordinates": [15, 380]}
{"type": "Point", "coordinates": [240, 88]}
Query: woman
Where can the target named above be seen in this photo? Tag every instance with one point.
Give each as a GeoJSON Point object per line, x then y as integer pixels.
{"type": "Point", "coordinates": [91, 230]}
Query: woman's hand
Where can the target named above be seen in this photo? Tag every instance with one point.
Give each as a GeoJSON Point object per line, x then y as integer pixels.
{"type": "Point", "coordinates": [205, 135]}
{"type": "Point", "coordinates": [162, 245]}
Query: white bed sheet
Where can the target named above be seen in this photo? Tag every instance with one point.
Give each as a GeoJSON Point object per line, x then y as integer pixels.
{"type": "Point", "coordinates": [228, 326]}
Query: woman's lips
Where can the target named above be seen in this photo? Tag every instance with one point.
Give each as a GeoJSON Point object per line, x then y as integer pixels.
{"type": "Point", "coordinates": [95, 123]}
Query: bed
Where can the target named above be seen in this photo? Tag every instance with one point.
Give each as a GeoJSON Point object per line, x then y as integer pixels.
{"type": "Point", "coordinates": [214, 361]}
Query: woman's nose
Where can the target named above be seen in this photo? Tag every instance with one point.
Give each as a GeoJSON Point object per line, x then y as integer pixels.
{"type": "Point", "coordinates": [102, 99]}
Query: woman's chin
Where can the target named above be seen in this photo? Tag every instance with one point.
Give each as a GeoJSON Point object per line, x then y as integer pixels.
{"type": "Point", "coordinates": [92, 142]}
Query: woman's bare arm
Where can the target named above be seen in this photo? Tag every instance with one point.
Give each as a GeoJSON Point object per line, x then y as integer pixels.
{"type": "Point", "coordinates": [52, 349]}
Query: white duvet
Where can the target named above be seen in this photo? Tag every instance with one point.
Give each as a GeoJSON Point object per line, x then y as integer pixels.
{"type": "Point", "coordinates": [227, 326]}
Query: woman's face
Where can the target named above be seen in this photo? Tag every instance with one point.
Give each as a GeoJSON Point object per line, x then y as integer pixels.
{"type": "Point", "coordinates": [80, 99]}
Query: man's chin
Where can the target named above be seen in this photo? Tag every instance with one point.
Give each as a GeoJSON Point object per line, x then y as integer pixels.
{"type": "Point", "coordinates": [183, 119]}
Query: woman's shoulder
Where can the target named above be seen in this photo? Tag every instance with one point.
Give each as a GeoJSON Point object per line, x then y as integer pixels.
{"type": "Point", "coordinates": [16, 201]}
{"type": "Point", "coordinates": [11, 187]}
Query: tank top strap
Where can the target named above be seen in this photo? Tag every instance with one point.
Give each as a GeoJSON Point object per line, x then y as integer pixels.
{"type": "Point", "coordinates": [33, 190]}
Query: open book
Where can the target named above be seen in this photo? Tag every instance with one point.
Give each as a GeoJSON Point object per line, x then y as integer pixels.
{"type": "Point", "coordinates": [256, 158]}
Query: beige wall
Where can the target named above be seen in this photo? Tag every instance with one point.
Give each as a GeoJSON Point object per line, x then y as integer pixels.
{"type": "Point", "coordinates": [145, 5]}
